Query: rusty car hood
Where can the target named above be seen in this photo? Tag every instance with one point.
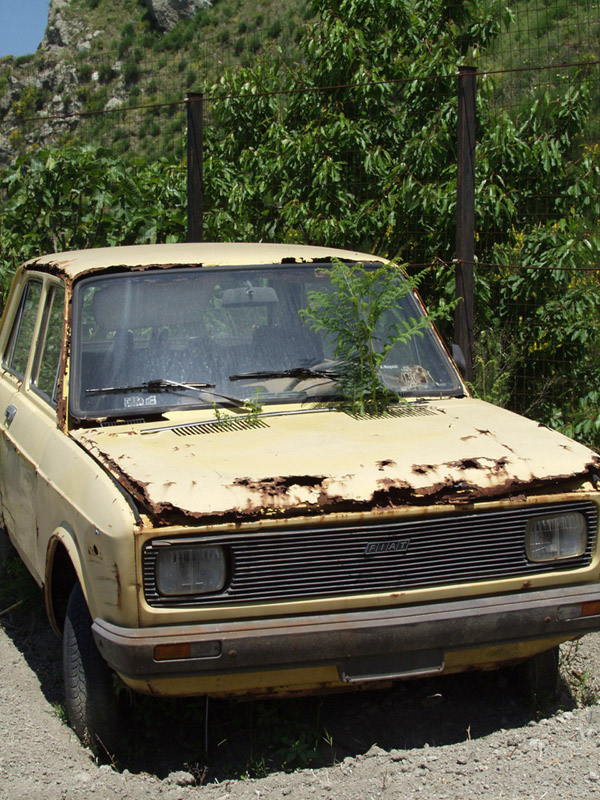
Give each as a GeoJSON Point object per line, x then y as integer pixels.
{"type": "Point", "coordinates": [455, 450]}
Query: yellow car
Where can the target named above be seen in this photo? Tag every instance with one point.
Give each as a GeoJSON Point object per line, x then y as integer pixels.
{"type": "Point", "coordinates": [204, 517]}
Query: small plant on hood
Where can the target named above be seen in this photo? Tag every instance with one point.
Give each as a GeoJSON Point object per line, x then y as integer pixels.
{"type": "Point", "coordinates": [353, 315]}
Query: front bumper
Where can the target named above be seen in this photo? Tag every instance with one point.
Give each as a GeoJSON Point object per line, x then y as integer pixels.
{"type": "Point", "coordinates": [367, 645]}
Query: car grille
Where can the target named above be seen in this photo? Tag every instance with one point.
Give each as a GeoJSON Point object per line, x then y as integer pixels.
{"type": "Point", "coordinates": [386, 557]}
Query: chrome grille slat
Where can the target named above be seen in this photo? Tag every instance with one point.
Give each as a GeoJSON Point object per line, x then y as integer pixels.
{"type": "Point", "coordinates": [272, 572]}
{"type": "Point", "coordinates": [288, 565]}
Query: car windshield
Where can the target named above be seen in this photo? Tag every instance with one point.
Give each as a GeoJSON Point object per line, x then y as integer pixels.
{"type": "Point", "coordinates": [150, 341]}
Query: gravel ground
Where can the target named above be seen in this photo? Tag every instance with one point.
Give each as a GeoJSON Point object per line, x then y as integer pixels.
{"type": "Point", "coordinates": [457, 737]}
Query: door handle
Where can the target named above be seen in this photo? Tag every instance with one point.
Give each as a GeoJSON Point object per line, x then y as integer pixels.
{"type": "Point", "coordinates": [9, 414]}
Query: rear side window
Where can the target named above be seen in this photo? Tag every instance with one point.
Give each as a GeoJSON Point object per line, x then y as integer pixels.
{"type": "Point", "coordinates": [46, 364]}
{"type": "Point", "coordinates": [16, 355]}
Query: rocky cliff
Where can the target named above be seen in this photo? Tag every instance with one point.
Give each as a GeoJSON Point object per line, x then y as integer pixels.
{"type": "Point", "coordinates": [100, 55]}
{"type": "Point", "coordinates": [167, 13]}
{"type": "Point", "coordinates": [67, 28]}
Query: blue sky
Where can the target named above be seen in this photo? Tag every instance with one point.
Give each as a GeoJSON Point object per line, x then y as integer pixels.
{"type": "Point", "coordinates": [22, 25]}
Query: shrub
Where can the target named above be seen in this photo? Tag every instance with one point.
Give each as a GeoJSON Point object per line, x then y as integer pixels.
{"type": "Point", "coordinates": [106, 73]}
{"type": "Point", "coordinates": [84, 73]}
{"type": "Point", "coordinates": [131, 72]}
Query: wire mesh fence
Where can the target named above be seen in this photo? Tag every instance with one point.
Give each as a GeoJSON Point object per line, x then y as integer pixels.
{"type": "Point", "coordinates": [547, 63]}
{"type": "Point", "coordinates": [367, 160]}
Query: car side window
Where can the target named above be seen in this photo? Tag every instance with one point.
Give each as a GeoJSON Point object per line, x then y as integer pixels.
{"type": "Point", "coordinates": [46, 363]}
{"type": "Point", "coordinates": [16, 354]}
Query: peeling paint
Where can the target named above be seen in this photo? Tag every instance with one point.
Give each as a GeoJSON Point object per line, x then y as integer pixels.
{"type": "Point", "coordinates": [390, 494]}
{"type": "Point", "coordinates": [272, 487]}
{"type": "Point", "coordinates": [201, 484]}
{"type": "Point", "coordinates": [423, 469]}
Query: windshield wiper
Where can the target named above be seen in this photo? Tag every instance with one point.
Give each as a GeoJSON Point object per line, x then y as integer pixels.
{"type": "Point", "coordinates": [295, 372]}
{"type": "Point", "coordinates": [165, 384]}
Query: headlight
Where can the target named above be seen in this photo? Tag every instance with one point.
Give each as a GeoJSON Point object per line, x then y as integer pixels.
{"type": "Point", "coordinates": [556, 537]}
{"type": "Point", "coordinates": [190, 570]}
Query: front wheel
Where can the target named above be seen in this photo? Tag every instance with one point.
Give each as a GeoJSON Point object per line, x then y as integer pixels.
{"type": "Point", "coordinates": [94, 707]}
{"type": "Point", "coordinates": [540, 676]}
{"type": "Point", "coordinates": [5, 548]}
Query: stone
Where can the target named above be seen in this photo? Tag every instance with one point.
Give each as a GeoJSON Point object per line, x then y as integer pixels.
{"type": "Point", "coordinates": [375, 750]}
{"type": "Point", "coordinates": [112, 103]}
{"type": "Point", "coordinates": [167, 13]}
{"type": "Point", "coordinates": [181, 778]}
{"type": "Point", "coordinates": [60, 31]}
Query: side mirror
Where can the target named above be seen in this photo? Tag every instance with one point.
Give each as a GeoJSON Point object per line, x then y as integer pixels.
{"type": "Point", "coordinates": [459, 359]}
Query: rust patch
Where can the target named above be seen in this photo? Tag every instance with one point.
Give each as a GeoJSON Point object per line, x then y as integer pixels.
{"type": "Point", "coordinates": [268, 498]}
{"type": "Point", "coordinates": [61, 401]}
{"type": "Point", "coordinates": [465, 463]}
{"type": "Point", "coordinates": [483, 432]}
{"type": "Point", "coordinates": [422, 469]}
{"type": "Point", "coordinates": [387, 462]}
{"type": "Point", "coordinates": [275, 487]}
{"type": "Point", "coordinates": [56, 267]}
{"type": "Point", "coordinates": [494, 465]}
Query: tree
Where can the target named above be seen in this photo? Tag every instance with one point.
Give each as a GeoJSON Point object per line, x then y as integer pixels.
{"type": "Point", "coordinates": [85, 196]}
{"type": "Point", "coordinates": [353, 145]}
{"type": "Point", "coordinates": [370, 163]}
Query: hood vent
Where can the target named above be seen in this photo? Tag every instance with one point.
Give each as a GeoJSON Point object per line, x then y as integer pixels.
{"type": "Point", "coordinates": [124, 421]}
{"type": "Point", "coordinates": [399, 411]}
{"type": "Point", "coordinates": [219, 426]}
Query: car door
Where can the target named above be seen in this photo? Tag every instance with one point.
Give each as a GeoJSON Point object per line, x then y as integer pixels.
{"type": "Point", "coordinates": [28, 398]}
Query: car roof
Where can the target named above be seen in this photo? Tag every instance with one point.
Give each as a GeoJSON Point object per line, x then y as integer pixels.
{"type": "Point", "coordinates": [77, 262]}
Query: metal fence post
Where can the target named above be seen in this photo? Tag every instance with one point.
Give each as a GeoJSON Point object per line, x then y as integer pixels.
{"type": "Point", "coordinates": [195, 135]}
{"type": "Point", "coordinates": [465, 214]}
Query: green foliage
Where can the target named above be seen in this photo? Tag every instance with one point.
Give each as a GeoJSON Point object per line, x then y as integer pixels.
{"type": "Point", "coordinates": [252, 408]}
{"type": "Point", "coordinates": [274, 29]}
{"type": "Point", "coordinates": [131, 72]}
{"type": "Point", "coordinates": [280, 736]}
{"type": "Point", "coordinates": [353, 316]}
{"type": "Point", "coordinates": [84, 72]}
{"type": "Point", "coordinates": [18, 590]}
{"type": "Point", "coordinates": [30, 100]}
{"type": "Point", "coordinates": [127, 39]}
{"type": "Point", "coordinates": [494, 365]}
{"type": "Point", "coordinates": [584, 687]}
{"type": "Point", "coordinates": [106, 73]}
{"type": "Point", "coordinates": [371, 163]}
{"type": "Point", "coordinates": [552, 309]}
{"type": "Point", "coordinates": [79, 197]}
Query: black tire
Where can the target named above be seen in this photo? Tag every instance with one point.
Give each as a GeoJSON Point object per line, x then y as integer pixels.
{"type": "Point", "coordinates": [539, 676]}
{"type": "Point", "coordinates": [5, 548]}
{"type": "Point", "coordinates": [94, 706]}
